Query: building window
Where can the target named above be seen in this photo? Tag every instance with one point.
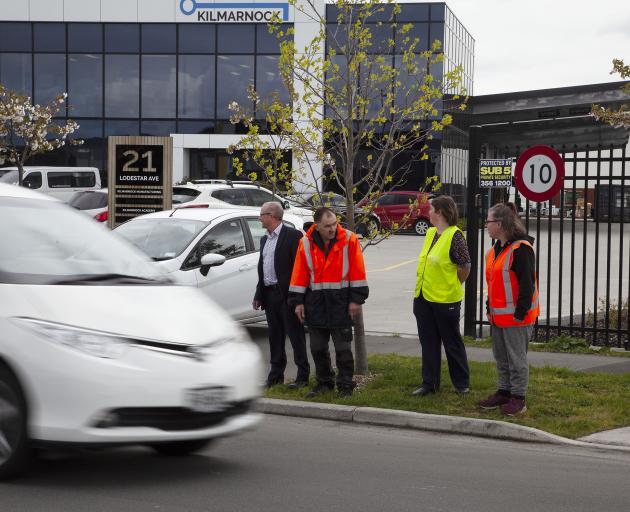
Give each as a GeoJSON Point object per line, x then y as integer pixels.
{"type": "Point", "coordinates": [269, 81]}
{"type": "Point", "coordinates": [85, 37]}
{"type": "Point", "coordinates": [49, 37]}
{"type": "Point", "coordinates": [158, 85]}
{"type": "Point", "coordinates": [237, 73]}
{"type": "Point", "coordinates": [16, 72]}
{"type": "Point", "coordinates": [122, 38]}
{"type": "Point", "coordinates": [158, 128]}
{"type": "Point", "coordinates": [196, 86]}
{"type": "Point", "coordinates": [85, 85]}
{"type": "Point", "coordinates": [50, 77]}
{"type": "Point", "coordinates": [124, 127]}
{"type": "Point", "coordinates": [122, 81]}
{"type": "Point", "coordinates": [236, 38]}
{"type": "Point", "coordinates": [15, 37]}
{"type": "Point", "coordinates": [197, 38]}
{"type": "Point", "coordinates": [159, 38]}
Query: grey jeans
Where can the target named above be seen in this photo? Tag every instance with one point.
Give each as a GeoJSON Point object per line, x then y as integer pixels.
{"type": "Point", "coordinates": [509, 346]}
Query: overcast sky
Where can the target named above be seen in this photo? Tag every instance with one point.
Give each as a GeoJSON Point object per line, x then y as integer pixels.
{"type": "Point", "coordinates": [537, 44]}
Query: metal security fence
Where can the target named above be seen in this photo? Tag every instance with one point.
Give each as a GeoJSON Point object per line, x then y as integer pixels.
{"type": "Point", "coordinates": [582, 243]}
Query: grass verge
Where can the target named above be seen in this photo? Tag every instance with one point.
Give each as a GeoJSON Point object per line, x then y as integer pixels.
{"type": "Point", "coordinates": [559, 344]}
{"type": "Point", "coordinates": [560, 401]}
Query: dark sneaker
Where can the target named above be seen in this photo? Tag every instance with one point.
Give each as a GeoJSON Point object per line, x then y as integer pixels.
{"type": "Point", "coordinates": [462, 391]}
{"type": "Point", "coordinates": [345, 392]}
{"type": "Point", "coordinates": [320, 389]}
{"type": "Point", "coordinates": [493, 401]}
{"type": "Point", "coordinates": [422, 391]}
{"type": "Point", "coordinates": [298, 384]}
{"type": "Point", "coordinates": [271, 383]}
{"type": "Point", "coordinates": [514, 407]}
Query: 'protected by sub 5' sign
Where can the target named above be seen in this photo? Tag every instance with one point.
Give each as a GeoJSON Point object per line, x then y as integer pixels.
{"type": "Point", "coordinates": [495, 173]}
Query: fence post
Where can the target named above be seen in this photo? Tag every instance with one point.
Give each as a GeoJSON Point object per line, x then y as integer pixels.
{"type": "Point", "coordinates": [472, 230]}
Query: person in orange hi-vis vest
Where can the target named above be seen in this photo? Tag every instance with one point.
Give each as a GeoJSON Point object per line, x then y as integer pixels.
{"type": "Point", "coordinates": [512, 306]}
{"type": "Point", "coordinates": [328, 286]}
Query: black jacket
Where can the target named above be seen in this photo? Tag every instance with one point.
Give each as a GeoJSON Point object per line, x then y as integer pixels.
{"type": "Point", "coordinates": [284, 257]}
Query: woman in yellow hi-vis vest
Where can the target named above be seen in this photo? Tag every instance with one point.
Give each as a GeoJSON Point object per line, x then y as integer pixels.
{"type": "Point", "coordinates": [443, 266]}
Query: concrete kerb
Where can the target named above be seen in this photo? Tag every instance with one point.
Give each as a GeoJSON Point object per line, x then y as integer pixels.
{"type": "Point", "coordinates": [421, 421]}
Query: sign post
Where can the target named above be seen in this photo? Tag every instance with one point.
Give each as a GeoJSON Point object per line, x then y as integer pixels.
{"type": "Point", "coordinates": [139, 177]}
{"type": "Point", "coordinates": [539, 173]}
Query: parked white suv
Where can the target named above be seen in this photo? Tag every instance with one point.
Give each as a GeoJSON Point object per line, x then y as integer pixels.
{"type": "Point", "coordinates": [226, 194]}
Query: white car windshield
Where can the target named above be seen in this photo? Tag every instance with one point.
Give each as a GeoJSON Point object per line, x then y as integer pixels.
{"type": "Point", "coordinates": [46, 242]}
{"type": "Point", "coordinates": [161, 238]}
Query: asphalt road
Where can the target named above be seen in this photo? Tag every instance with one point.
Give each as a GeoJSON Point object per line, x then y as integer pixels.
{"type": "Point", "coordinates": [313, 465]}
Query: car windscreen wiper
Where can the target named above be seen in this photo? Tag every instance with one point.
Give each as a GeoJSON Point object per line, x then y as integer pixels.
{"type": "Point", "coordinates": [113, 279]}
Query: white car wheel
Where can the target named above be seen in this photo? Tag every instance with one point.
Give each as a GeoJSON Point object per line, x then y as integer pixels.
{"type": "Point", "coordinates": [421, 227]}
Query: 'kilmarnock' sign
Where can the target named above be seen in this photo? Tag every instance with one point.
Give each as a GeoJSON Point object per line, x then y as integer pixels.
{"type": "Point", "coordinates": [231, 12]}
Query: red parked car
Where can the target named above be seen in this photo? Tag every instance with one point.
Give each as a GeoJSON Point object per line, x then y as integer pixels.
{"type": "Point", "coordinates": [392, 207]}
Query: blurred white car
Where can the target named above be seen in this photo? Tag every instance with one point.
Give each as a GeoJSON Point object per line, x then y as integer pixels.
{"type": "Point", "coordinates": [229, 194]}
{"type": "Point", "coordinates": [92, 203]}
{"type": "Point", "coordinates": [177, 240]}
{"type": "Point", "coordinates": [98, 347]}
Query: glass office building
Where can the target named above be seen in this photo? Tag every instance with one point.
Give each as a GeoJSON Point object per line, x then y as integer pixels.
{"type": "Point", "coordinates": [140, 67]}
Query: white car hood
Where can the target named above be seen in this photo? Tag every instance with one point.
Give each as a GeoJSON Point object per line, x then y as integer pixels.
{"type": "Point", "coordinates": [167, 313]}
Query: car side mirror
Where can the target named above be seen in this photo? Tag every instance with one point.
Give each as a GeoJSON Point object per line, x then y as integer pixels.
{"type": "Point", "coordinates": [286, 205]}
{"type": "Point", "coordinates": [210, 260]}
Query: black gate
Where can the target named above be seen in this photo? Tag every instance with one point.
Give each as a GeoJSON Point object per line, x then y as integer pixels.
{"type": "Point", "coordinates": [582, 246]}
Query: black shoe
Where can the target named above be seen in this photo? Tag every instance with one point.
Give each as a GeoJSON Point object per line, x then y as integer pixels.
{"type": "Point", "coordinates": [298, 384]}
{"type": "Point", "coordinates": [422, 391]}
{"type": "Point", "coordinates": [462, 391]}
{"type": "Point", "coordinates": [320, 389]}
{"type": "Point", "coordinates": [345, 392]}
{"type": "Point", "coordinates": [271, 383]}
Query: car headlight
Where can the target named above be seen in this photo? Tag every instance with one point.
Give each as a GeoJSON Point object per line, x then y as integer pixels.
{"type": "Point", "coordinates": [94, 343]}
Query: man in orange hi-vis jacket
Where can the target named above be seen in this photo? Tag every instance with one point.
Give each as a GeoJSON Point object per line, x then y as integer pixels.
{"type": "Point", "coordinates": [328, 286]}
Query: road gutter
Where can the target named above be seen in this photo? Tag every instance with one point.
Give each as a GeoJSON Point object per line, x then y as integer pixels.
{"type": "Point", "coordinates": [420, 421]}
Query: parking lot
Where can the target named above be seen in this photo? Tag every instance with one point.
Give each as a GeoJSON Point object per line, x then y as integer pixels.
{"type": "Point", "coordinates": [591, 265]}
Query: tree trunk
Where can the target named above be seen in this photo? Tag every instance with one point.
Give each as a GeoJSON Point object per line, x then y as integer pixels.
{"type": "Point", "coordinates": [20, 167]}
{"type": "Point", "coordinates": [360, 351]}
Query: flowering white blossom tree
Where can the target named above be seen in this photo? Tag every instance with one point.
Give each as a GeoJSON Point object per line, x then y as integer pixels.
{"type": "Point", "coordinates": [27, 129]}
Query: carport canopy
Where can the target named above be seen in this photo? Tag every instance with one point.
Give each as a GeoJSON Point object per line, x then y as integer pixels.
{"type": "Point", "coordinates": [558, 117]}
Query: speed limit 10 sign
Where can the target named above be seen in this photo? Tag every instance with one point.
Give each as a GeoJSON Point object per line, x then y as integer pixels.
{"type": "Point", "coordinates": [539, 173]}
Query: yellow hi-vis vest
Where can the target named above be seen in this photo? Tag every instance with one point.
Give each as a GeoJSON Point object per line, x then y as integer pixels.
{"type": "Point", "coordinates": [437, 274]}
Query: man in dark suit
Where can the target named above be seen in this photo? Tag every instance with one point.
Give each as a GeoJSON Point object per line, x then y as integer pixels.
{"type": "Point", "coordinates": [277, 255]}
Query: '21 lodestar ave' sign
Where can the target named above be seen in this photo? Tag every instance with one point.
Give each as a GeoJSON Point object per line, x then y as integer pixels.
{"type": "Point", "coordinates": [231, 12]}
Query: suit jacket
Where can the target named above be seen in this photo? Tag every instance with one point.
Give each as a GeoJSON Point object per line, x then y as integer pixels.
{"type": "Point", "coordinates": [284, 257]}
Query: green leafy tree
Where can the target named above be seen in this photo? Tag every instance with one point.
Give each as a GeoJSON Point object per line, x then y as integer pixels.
{"type": "Point", "coordinates": [353, 111]}
{"type": "Point", "coordinates": [28, 129]}
{"type": "Point", "coordinates": [621, 116]}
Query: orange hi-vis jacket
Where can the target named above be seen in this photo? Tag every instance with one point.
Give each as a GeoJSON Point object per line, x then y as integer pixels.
{"type": "Point", "coordinates": [326, 284]}
{"type": "Point", "coordinates": [503, 288]}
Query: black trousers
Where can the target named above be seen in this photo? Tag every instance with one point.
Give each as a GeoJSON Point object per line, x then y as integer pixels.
{"type": "Point", "coordinates": [282, 320]}
{"type": "Point", "coordinates": [439, 324]}
{"type": "Point", "coordinates": [342, 340]}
